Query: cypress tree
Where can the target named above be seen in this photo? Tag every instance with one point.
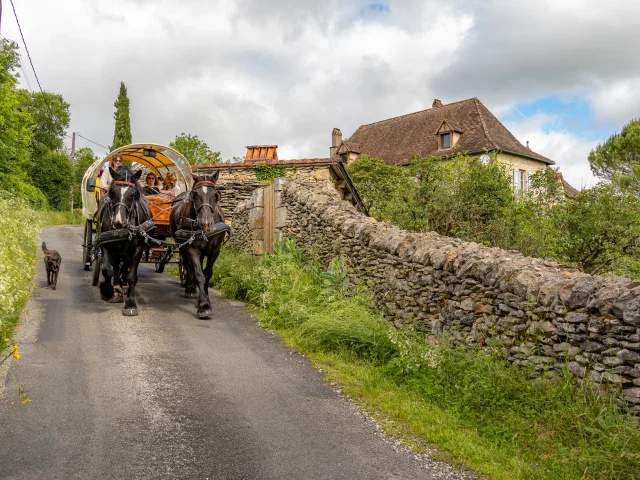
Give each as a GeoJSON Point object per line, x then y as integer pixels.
{"type": "Point", "coordinates": [122, 132]}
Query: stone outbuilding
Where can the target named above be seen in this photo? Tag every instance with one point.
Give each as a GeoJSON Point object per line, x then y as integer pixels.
{"type": "Point", "coordinates": [237, 181]}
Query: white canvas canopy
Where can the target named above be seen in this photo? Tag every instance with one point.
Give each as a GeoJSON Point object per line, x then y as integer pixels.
{"type": "Point", "coordinates": [160, 159]}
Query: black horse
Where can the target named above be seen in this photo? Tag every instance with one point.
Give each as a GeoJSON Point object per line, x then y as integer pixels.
{"type": "Point", "coordinates": [124, 213]}
{"type": "Point", "coordinates": [197, 221]}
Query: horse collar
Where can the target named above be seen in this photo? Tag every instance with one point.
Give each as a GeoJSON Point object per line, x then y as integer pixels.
{"type": "Point", "coordinates": [120, 182]}
{"type": "Point", "coordinates": [204, 182]}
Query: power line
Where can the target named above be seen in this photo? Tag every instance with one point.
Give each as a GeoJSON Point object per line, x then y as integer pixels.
{"type": "Point", "coordinates": [44, 97]}
{"type": "Point", "coordinates": [88, 140]}
{"type": "Point", "coordinates": [28, 54]}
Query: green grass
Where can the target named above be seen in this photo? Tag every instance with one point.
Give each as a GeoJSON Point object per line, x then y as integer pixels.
{"type": "Point", "coordinates": [20, 226]}
{"type": "Point", "coordinates": [470, 404]}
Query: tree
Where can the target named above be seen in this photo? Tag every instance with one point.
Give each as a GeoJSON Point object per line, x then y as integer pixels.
{"type": "Point", "coordinates": [618, 159]}
{"type": "Point", "coordinates": [196, 151]}
{"type": "Point", "coordinates": [54, 175]}
{"type": "Point", "coordinates": [598, 228]}
{"type": "Point", "coordinates": [50, 115]}
{"type": "Point", "coordinates": [122, 131]}
{"type": "Point", "coordinates": [16, 128]}
{"type": "Point", "coordinates": [84, 159]}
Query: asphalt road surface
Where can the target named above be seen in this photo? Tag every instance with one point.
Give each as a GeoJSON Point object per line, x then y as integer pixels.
{"type": "Point", "coordinates": [166, 395]}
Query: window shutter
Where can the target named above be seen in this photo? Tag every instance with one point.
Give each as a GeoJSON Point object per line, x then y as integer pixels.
{"type": "Point", "coordinates": [515, 177]}
{"type": "Point", "coordinates": [528, 180]}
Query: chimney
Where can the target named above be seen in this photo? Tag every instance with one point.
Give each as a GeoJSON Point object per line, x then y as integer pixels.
{"type": "Point", "coordinates": [436, 103]}
{"type": "Point", "coordinates": [261, 153]}
{"type": "Point", "coordinates": [527, 144]}
{"type": "Point", "coordinates": [336, 140]}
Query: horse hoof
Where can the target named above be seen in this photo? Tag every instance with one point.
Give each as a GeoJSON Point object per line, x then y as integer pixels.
{"type": "Point", "coordinates": [130, 312]}
{"type": "Point", "coordinates": [116, 299]}
{"type": "Point", "coordinates": [205, 314]}
{"type": "Point", "coordinates": [190, 294]}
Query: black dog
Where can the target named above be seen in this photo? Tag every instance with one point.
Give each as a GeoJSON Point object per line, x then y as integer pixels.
{"type": "Point", "coordinates": [52, 261]}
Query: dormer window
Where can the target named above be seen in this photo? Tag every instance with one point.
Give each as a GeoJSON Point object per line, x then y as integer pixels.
{"type": "Point", "coordinates": [448, 136]}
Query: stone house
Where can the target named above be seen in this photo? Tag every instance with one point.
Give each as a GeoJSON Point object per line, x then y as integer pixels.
{"type": "Point", "coordinates": [238, 181]}
{"type": "Point", "coordinates": [442, 130]}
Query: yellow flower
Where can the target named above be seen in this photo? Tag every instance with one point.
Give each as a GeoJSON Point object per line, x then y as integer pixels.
{"type": "Point", "coordinates": [16, 356]}
{"type": "Point", "coordinates": [6, 339]}
{"type": "Point", "coordinates": [26, 400]}
{"type": "Point", "coordinates": [14, 349]}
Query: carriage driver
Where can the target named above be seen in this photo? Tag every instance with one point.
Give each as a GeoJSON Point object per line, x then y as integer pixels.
{"type": "Point", "coordinates": [105, 176]}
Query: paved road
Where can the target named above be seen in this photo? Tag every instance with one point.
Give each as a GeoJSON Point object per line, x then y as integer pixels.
{"type": "Point", "coordinates": [165, 395]}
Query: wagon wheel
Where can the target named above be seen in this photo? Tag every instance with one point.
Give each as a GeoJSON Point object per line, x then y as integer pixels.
{"type": "Point", "coordinates": [87, 244]}
{"type": "Point", "coordinates": [97, 261]}
{"type": "Point", "coordinates": [160, 266]}
{"type": "Point", "coordinates": [183, 272]}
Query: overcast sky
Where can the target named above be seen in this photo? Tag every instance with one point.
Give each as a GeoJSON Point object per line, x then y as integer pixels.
{"type": "Point", "coordinates": [562, 74]}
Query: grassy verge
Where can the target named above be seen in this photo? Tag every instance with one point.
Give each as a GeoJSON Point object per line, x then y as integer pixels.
{"type": "Point", "coordinates": [473, 406]}
{"type": "Point", "coordinates": [20, 226]}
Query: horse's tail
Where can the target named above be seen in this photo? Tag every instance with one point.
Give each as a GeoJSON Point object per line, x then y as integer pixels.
{"type": "Point", "coordinates": [44, 248]}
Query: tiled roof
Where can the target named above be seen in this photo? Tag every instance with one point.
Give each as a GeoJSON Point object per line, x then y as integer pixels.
{"type": "Point", "coordinates": [250, 164]}
{"type": "Point", "coordinates": [568, 189]}
{"type": "Point", "coordinates": [397, 139]}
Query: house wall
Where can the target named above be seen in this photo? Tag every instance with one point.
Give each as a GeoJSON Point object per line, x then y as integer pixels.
{"type": "Point", "coordinates": [521, 163]}
{"type": "Point", "coordinates": [545, 315]}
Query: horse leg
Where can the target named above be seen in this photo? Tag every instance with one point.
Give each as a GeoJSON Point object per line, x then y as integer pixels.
{"type": "Point", "coordinates": [130, 308]}
{"type": "Point", "coordinates": [106, 286]}
{"type": "Point", "coordinates": [203, 304]}
{"type": "Point", "coordinates": [190, 289]}
{"type": "Point", "coordinates": [124, 274]}
{"type": "Point", "coordinates": [208, 271]}
{"type": "Point", "coordinates": [54, 280]}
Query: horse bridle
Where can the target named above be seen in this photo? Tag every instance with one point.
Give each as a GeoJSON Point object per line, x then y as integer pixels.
{"type": "Point", "coordinates": [206, 204]}
{"type": "Point", "coordinates": [122, 204]}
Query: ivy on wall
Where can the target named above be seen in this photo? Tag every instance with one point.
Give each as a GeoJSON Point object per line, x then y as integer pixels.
{"type": "Point", "coordinates": [265, 172]}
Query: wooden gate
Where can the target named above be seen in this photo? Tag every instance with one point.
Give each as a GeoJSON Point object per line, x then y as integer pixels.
{"type": "Point", "coordinates": [269, 218]}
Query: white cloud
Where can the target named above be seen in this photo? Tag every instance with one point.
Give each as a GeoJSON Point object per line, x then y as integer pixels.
{"type": "Point", "coordinates": [247, 71]}
{"type": "Point", "coordinates": [617, 102]}
{"type": "Point", "coordinates": [568, 150]}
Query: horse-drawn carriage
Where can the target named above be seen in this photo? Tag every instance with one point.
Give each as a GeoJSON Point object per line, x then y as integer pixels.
{"type": "Point", "coordinates": [159, 160]}
{"type": "Point", "coordinates": [124, 225]}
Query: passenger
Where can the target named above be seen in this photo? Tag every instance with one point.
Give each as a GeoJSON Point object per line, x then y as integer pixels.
{"type": "Point", "coordinates": [171, 187]}
{"type": "Point", "coordinates": [151, 188]}
{"type": "Point", "coordinates": [105, 177]}
{"type": "Point", "coordinates": [159, 183]}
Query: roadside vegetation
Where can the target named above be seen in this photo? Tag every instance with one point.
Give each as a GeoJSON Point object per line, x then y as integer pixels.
{"type": "Point", "coordinates": [597, 230]}
{"type": "Point", "coordinates": [476, 409]}
{"type": "Point", "coordinates": [20, 226]}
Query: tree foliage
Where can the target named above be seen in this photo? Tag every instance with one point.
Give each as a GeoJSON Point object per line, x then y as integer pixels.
{"type": "Point", "coordinates": [84, 159]}
{"type": "Point", "coordinates": [122, 131]}
{"type": "Point", "coordinates": [196, 151]}
{"type": "Point", "coordinates": [597, 230]}
{"type": "Point", "coordinates": [16, 127]}
{"type": "Point", "coordinates": [54, 176]}
{"type": "Point", "coordinates": [618, 159]}
{"type": "Point", "coordinates": [50, 116]}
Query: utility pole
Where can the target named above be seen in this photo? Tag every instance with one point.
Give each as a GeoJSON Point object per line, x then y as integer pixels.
{"type": "Point", "coordinates": [73, 159]}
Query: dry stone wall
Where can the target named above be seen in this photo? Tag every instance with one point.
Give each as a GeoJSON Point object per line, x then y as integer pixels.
{"type": "Point", "coordinates": [546, 314]}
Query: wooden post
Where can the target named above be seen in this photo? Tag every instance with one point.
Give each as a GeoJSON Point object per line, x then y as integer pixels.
{"type": "Point", "coordinates": [269, 218]}
{"type": "Point", "coordinates": [73, 159]}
